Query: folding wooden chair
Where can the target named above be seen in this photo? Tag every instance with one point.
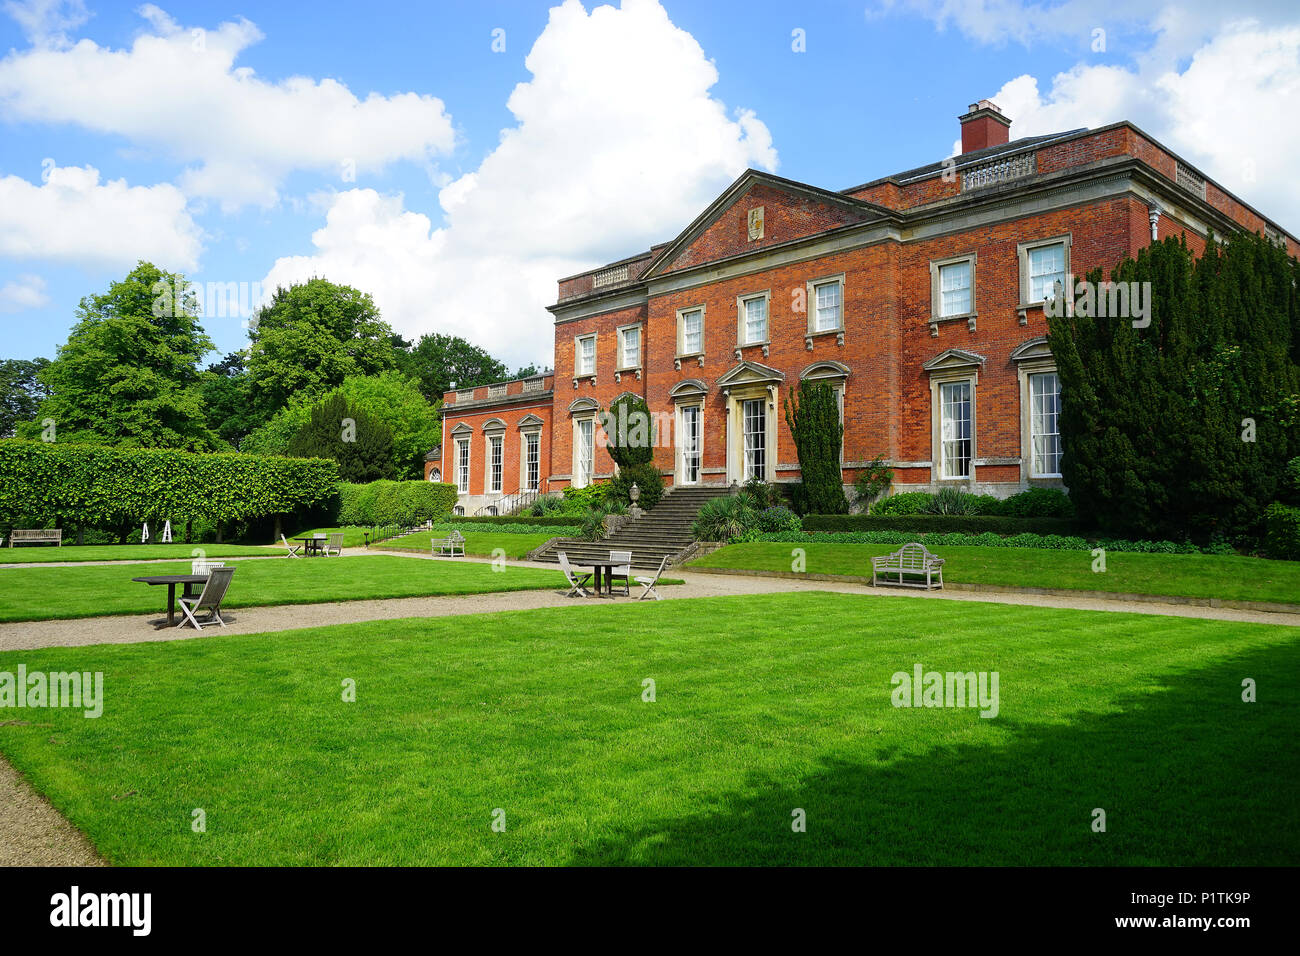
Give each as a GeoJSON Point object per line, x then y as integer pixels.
{"type": "Point", "coordinates": [622, 569]}
{"type": "Point", "coordinates": [649, 583]}
{"type": "Point", "coordinates": [576, 578]}
{"type": "Point", "coordinates": [334, 544]}
{"type": "Point", "coordinates": [293, 549]}
{"type": "Point", "coordinates": [210, 600]}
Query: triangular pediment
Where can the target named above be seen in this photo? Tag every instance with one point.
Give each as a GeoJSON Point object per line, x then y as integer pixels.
{"type": "Point", "coordinates": [747, 373]}
{"type": "Point", "coordinates": [789, 211]}
{"type": "Point", "coordinates": [529, 420]}
{"type": "Point", "coordinates": [954, 359]}
{"type": "Point", "coordinates": [1035, 348]}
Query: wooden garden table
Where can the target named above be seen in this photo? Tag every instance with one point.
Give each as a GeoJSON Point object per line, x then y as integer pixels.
{"type": "Point", "coordinates": [171, 580]}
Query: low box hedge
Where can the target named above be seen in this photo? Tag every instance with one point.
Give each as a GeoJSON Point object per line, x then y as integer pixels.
{"type": "Point", "coordinates": [551, 520]}
{"type": "Point", "coordinates": [942, 524]}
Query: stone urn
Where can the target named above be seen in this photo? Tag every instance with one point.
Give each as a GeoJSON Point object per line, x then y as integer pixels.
{"type": "Point", "coordinates": [635, 494]}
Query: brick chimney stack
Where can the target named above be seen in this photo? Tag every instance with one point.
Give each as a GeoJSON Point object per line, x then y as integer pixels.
{"type": "Point", "coordinates": [983, 126]}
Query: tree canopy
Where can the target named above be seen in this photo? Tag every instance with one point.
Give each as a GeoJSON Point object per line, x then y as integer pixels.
{"type": "Point", "coordinates": [128, 373]}
{"type": "Point", "coordinates": [21, 392]}
{"type": "Point", "coordinates": [391, 398]}
{"type": "Point", "coordinates": [438, 360]}
{"type": "Point", "coordinates": [309, 338]}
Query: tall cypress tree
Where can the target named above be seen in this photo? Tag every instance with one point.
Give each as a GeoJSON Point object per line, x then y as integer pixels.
{"type": "Point", "coordinates": [813, 414]}
{"type": "Point", "coordinates": [1157, 422]}
{"type": "Point", "coordinates": [359, 442]}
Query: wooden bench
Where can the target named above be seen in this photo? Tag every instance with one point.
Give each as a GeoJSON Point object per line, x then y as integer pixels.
{"type": "Point", "coordinates": [911, 560]}
{"type": "Point", "coordinates": [449, 545]}
{"type": "Point", "coordinates": [36, 536]}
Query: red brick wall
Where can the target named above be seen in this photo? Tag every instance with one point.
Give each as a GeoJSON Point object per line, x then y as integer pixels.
{"type": "Point", "coordinates": [785, 217]}
{"type": "Point", "coordinates": [603, 391]}
{"type": "Point", "coordinates": [869, 330]}
{"type": "Point", "coordinates": [512, 444]}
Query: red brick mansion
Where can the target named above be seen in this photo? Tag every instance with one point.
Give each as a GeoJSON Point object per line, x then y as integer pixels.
{"type": "Point", "coordinates": [918, 296]}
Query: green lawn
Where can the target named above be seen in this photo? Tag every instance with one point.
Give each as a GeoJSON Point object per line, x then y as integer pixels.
{"type": "Point", "coordinates": [1188, 575]}
{"type": "Point", "coordinates": [476, 542]}
{"type": "Point", "coordinates": [28, 554]}
{"type": "Point", "coordinates": [764, 705]}
{"type": "Point", "coordinates": [34, 594]}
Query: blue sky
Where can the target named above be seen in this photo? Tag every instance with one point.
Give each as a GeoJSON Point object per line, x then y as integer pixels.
{"type": "Point", "coordinates": [625, 123]}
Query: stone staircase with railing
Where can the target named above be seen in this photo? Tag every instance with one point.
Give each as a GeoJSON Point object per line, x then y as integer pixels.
{"type": "Point", "coordinates": [665, 530]}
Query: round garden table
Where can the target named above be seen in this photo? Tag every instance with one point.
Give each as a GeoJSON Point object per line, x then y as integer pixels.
{"type": "Point", "coordinates": [171, 580]}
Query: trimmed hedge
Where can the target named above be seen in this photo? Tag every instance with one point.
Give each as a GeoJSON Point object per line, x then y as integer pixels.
{"type": "Point", "coordinates": [96, 485]}
{"type": "Point", "coordinates": [1050, 542]}
{"type": "Point", "coordinates": [394, 502]}
{"type": "Point", "coordinates": [941, 524]}
{"type": "Point", "coordinates": [549, 521]}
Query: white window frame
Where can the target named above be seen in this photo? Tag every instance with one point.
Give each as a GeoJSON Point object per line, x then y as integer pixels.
{"type": "Point", "coordinates": [623, 364]}
{"type": "Point", "coordinates": [1031, 413]}
{"type": "Point", "coordinates": [939, 378]}
{"type": "Point", "coordinates": [531, 438]}
{"type": "Point", "coordinates": [464, 465]}
{"type": "Point", "coordinates": [579, 481]}
{"type": "Point", "coordinates": [811, 298]}
{"type": "Point", "coordinates": [682, 351]}
{"type": "Point", "coordinates": [944, 459]}
{"type": "Point", "coordinates": [1022, 254]}
{"type": "Point", "coordinates": [578, 371]}
{"type": "Point", "coordinates": [496, 463]}
{"type": "Point", "coordinates": [742, 324]}
{"type": "Point", "coordinates": [937, 269]}
{"type": "Point", "coordinates": [761, 401]}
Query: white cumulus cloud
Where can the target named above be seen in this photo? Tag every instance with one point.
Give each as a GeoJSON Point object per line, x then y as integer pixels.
{"type": "Point", "coordinates": [1228, 110]}
{"type": "Point", "coordinates": [25, 292]}
{"type": "Point", "coordinates": [617, 144]}
{"type": "Point", "coordinates": [72, 217]}
{"type": "Point", "coordinates": [179, 90]}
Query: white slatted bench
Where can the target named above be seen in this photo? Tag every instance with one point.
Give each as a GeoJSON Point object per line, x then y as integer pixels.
{"type": "Point", "coordinates": [450, 545]}
{"type": "Point", "coordinates": [36, 536]}
{"type": "Point", "coordinates": [909, 561]}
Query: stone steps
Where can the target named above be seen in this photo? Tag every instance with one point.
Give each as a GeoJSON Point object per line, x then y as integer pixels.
{"type": "Point", "coordinates": [665, 531]}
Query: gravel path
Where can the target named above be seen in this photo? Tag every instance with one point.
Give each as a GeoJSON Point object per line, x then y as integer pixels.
{"type": "Point", "coordinates": [33, 833]}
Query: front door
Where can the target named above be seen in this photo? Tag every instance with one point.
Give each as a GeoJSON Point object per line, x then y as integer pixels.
{"type": "Point", "coordinates": [754, 416]}
{"type": "Point", "coordinates": [690, 442]}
